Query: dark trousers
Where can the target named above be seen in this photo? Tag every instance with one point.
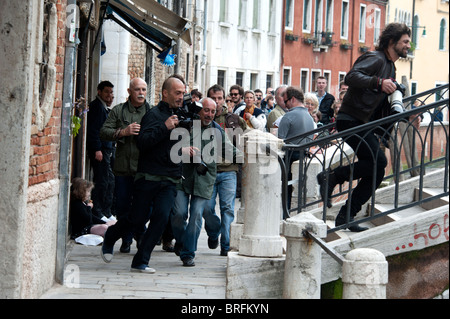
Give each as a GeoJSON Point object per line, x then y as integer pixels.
{"type": "Point", "coordinates": [124, 195]}
{"type": "Point", "coordinates": [103, 191]}
{"type": "Point", "coordinates": [291, 157]}
{"type": "Point", "coordinates": [370, 164]}
{"type": "Point", "coordinates": [159, 196]}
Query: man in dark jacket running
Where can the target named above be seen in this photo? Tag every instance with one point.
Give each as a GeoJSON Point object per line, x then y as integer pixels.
{"type": "Point", "coordinates": [156, 178]}
{"type": "Point", "coordinates": [370, 82]}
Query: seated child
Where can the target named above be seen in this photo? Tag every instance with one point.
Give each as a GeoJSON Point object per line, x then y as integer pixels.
{"type": "Point", "coordinates": [81, 218]}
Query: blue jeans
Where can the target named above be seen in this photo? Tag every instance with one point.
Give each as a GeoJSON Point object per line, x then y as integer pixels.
{"type": "Point", "coordinates": [187, 232]}
{"type": "Point", "coordinates": [225, 187]}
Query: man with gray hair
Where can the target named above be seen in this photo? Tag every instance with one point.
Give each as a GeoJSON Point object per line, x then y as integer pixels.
{"type": "Point", "coordinates": [294, 123]}
{"type": "Point", "coordinates": [279, 109]}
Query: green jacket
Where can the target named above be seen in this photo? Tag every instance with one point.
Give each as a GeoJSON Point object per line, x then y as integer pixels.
{"type": "Point", "coordinates": [127, 153]}
{"type": "Point", "coordinates": [274, 115]}
{"type": "Point", "coordinates": [202, 185]}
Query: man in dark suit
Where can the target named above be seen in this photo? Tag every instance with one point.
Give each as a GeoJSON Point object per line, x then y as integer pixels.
{"type": "Point", "coordinates": [101, 152]}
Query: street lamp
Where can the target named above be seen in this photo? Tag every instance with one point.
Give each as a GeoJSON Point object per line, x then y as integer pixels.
{"type": "Point", "coordinates": [424, 32]}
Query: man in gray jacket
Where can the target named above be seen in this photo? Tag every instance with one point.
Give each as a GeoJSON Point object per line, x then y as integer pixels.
{"type": "Point", "coordinates": [295, 123]}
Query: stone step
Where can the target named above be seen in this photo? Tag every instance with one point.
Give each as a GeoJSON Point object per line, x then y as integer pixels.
{"type": "Point", "coordinates": [428, 192]}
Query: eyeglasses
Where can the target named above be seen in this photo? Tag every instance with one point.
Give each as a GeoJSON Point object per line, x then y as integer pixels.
{"type": "Point", "coordinates": [234, 94]}
{"type": "Point", "coordinates": [285, 101]}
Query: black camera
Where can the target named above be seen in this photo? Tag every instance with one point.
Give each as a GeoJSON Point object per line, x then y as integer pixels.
{"type": "Point", "coordinates": [200, 166]}
{"type": "Point", "coordinates": [396, 98]}
{"type": "Point", "coordinates": [188, 112]}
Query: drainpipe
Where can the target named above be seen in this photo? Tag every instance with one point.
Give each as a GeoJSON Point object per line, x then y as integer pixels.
{"type": "Point", "coordinates": [205, 36]}
{"type": "Point", "coordinates": [64, 153]}
{"type": "Point", "coordinates": [413, 29]}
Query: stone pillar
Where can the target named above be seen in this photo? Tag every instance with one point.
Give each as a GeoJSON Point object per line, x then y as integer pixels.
{"type": "Point", "coordinates": [302, 272]}
{"type": "Point", "coordinates": [364, 274]}
{"type": "Point", "coordinates": [262, 197]}
{"type": "Point", "coordinates": [18, 21]}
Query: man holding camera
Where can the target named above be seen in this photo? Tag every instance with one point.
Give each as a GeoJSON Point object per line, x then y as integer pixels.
{"type": "Point", "coordinates": [370, 83]}
{"type": "Point", "coordinates": [199, 175]}
{"type": "Point", "coordinates": [156, 178]}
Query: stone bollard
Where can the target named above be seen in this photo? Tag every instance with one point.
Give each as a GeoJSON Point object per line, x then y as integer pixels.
{"type": "Point", "coordinates": [302, 271]}
{"type": "Point", "coordinates": [262, 197]}
{"type": "Point", "coordinates": [364, 274]}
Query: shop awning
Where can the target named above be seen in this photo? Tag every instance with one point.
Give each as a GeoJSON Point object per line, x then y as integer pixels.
{"type": "Point", "coordinates": [149, 21]}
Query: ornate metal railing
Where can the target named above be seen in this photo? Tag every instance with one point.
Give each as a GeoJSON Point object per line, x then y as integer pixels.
{"type": "Point", "coordinates": [412, 151]}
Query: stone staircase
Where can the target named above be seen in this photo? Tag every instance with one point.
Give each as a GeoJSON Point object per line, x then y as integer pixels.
{"type": "Point", "coordinates": [408, 193]}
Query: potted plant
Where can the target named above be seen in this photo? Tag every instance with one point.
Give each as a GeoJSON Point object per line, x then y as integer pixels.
{"type": "Point", "coordinates": [308, 39]}
{"type": "Point", "coordinates": [345, 45]}
{"type": "Point", "coordinates": [289, 36]}
{"type": "Point", "coordinates": [363, 48]}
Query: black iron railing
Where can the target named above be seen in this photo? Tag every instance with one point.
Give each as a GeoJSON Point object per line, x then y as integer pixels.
{"type": "Point", "coordinates": [398, 132]}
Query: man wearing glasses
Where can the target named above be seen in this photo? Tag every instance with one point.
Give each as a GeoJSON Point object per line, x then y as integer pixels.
{"type": "Point", "coordinates": [295, 122]}
{"type": "Point", "coordinates": [237, 96]}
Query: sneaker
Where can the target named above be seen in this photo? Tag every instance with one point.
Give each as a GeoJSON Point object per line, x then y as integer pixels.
{"type": "Point", "coordinates": [107, 252]}
{"type": "Point", "coordinates": [144, 269]}
{"type": "Point", "coordinates": [223, 252]}
{"type": "Point", "coordinates": [213, 243]}
{"type": "Point", "coordinates": [188, 262]}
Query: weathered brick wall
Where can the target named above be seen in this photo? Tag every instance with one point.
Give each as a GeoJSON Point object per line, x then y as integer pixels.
{"type": "Point", "coordinates": [39, 256]}
{"type": "Point", "coordinates": [44, 150]}
{"type": "Point", "coordinates": [136, 59]}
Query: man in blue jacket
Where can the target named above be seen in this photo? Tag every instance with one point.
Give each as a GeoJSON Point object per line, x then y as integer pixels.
{"type": "Point", "coordinates": [101, 152]}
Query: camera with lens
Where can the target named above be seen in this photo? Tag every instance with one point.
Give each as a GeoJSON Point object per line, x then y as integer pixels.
{"type": "Point", "coordinates": [188, 112]}
{"type": "Point", "coordinates": [396, 98]}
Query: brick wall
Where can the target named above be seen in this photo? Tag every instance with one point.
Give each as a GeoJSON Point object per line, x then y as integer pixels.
{"type": "Point", "coordinates": [136, 59]}
{"type": "Point", "coordinates": [44, 150]}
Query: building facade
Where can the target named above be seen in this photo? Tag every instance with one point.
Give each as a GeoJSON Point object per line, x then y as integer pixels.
{"type": "Point", "coordinates": [427, 65]}
{"type": "Point", "coordinates": [242, 46]}
{"type": "Point", "coordinates": [325, 37]}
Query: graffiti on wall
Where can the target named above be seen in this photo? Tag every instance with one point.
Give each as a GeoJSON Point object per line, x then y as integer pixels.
{"type": "Point", "coordinates": [435, 231]}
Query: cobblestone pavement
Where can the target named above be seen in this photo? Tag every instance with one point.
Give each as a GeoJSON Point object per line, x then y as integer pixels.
{"type": "Point", "coordinates": [88, 277]}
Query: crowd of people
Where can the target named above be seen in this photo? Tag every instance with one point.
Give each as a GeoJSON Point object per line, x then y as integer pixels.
{"type": "Point", "coordinates": [156, 198]}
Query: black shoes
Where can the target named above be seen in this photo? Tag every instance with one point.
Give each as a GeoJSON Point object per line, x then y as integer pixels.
{"type": "Point", "coordinates": [326, 178]}
{"type": "Point", "coordinates": [125, 247]}
{"type": "Point", "coordinates": [213, 243]}
{"type": "Point", "coordinates": [188, 262]}
{"type": "Point", "coordinates": [340, 220]}
{"type": "Point", "coordinates": [168, 246]}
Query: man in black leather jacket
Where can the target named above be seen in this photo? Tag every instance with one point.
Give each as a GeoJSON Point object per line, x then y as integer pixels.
{"type": "Point", "coordinates": [156, 178]}
{"type": "Point", "coordinates": [370, 82]}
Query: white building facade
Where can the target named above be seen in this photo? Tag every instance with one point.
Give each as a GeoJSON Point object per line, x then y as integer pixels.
{"type": "Point", "coordinates": [243, 44]}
